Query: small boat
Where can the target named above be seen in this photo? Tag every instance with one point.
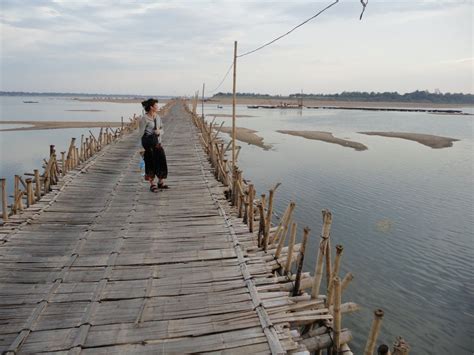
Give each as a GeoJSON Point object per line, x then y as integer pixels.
{"type": "Point", "coordinates": [30, 102]}
{"type": "Point", "coordinates": [219, 106]}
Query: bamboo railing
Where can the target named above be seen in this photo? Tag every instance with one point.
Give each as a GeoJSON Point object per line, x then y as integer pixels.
{"type": "Point", "coordinates": [34, 186]}
{"type": "Point", "coordinates": [326, 334]}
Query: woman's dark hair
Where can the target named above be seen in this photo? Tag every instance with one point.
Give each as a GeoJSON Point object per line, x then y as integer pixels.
{"type": "Point", "coordinates": [147, 104]}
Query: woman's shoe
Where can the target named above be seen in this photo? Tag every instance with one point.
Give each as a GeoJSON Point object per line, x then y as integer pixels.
{"type": "Point", "coordinates": [163, 186]}
{"type": "Point", "coordinates": [153, 188]}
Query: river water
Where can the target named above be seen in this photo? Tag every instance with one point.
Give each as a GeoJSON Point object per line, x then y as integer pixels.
{"type": "Point", "coordinates": [402, 211]}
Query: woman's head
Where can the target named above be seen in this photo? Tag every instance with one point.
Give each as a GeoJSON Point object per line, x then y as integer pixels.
{"type": "Point", "coordinates": [148, 104]}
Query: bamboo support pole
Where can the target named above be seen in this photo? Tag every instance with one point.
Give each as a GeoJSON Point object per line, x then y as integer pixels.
{"type": "Point", "coordinates": [76, 157]}
{"type": "Point", "coordinates": [63, 164]}
{"type": "Point", "coordinates": [70, 153]}
{"type": "Point", "coordinates": [280, 235]}
{"type": "Point", "coordinates": [328, 264]}
{"type": "Point", "coordinates": [291, 246]}
{"type": "Point", "coordinates": [261, 228]}
{"type": "Point", "coordinates": [82, 152]}
{"type": "Point", "coordinates": [318, 273]}
{"type": "Point", "coordinates": [337, 313]}
{"type": "Point", "coordinates": [30, 200]}
{"type": "Point", "coordinates": [325, 340]}
{"type": "Point", "coordinates": [268, 219]}
{"type": "Point", "coordinates": [280, 225]}
{"type": "Point", "coordinates": [251, 198]}
{"type": "Point", "coordinates": [374, 332]}
{"type": "Point", "coordinates": [346, 280]}
{"type": "Point", "coordinates": [335, 273]}
{"type": "Point", "coordinates": [16, 188]}
{"type": "Point", "coordinates": [3, 182]}
{"type": "Point", "coordinates": [296, 289]}
{"type": "Point", "coordinates": [281, 242]}
{"type": "Point", "coordinates": [37, 185]}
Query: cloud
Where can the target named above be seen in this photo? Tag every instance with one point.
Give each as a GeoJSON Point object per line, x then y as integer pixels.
{"type": "Point", "coordinates": [194, 40]}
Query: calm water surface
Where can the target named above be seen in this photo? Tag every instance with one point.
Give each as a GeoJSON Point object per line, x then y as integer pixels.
{"type": "Point", "coordinates": [402, 211]}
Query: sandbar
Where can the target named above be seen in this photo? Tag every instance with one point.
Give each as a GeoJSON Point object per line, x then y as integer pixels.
{"type": "Point", "coordinates": [247, 135]}
{"type": "Point", "coordinates": [226, 115]}
{"type": "Point", "coordinates": [91, 110]}
{"type": "Point", "coordinates": [435, 142]}
{"type": "Point", "coordinates": [39, 125]}
{"type": "Point", "coordinates": [326, 137]}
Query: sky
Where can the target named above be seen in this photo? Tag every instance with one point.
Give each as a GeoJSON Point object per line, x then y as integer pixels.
{"type": "Point", "coordinates": [173, 47]}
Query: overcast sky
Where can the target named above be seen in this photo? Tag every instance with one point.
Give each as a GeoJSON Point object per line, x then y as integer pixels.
{"type": "Point", "coordinates": [172, 47]}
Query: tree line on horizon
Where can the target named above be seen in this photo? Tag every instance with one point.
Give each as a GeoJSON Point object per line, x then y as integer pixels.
{"type": "Point", "coordinates": [416, 96]}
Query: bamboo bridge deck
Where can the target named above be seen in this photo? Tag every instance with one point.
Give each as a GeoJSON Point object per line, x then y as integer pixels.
{"type": "Point", "coordinates": [109, 267]}
{"type": "Point", "coordinates": [97, 263]}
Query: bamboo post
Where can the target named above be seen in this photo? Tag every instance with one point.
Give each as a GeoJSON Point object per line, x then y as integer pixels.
{"type": "Point", "coordinates": [291, 246]}
{"type": "Point", "coordinates": [121, 125]}
{"type": "Point", "coordinates": [374, 332]}
{"type": "Point", "coordinates": [337, 313]}
{"type": "Point", "coordinates": [3, 182]}
{"type": "Point", "coordinates": [328, 264]}
{"type": "Point", "coordinates": [318, 273]}
{"type": "Point", "coordinates": [261, 227]}
{"type": "Point", "coordinates": [280, 225]}
{"type": "Point", "coordinates": [346, 280]}
{"type": "Point", "coordinates": [16, 187]}
{"type": "Point", "coordinates": [268, 219]}
{"type": "Point", "coordinates": [37, 185]}
{"type": "Point", "coordinates": [83, 150]}
{"type": "Point", "coordinates": [287, 221]}
{"type": "Point", "coordinates": [296, 289]}
{"type": "Point", "coordinates": [51, 149]}
{"type": "Point", "coordinates": [76, 156]}
{"type": "Point", "coordinates": [335, 273]}
{"type": "Point", "coordinates": [280, 234]}
{"type": "Point", "coordinates": [63, 163]}
{"type": "Point", "coordinates": [70, 153]}
{"type": "Point", "coordinates": [30, 200]}
{"type": "Point", "coordinates": [234, 99]}
{"type": "Point", "coordinates": [251, 197]}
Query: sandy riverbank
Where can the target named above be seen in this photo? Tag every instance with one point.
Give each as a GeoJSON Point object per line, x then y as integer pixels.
{"type": "Point", "coordinates": [326, 137]}
{"type": "Point", "coordinates": [277, 101]}
{"type": "Point", "coordinates": [247, 135]}
{"type": "Point", "coordinates": [38, 125]}
{"type": "Point", "coordinates": [435, 142]}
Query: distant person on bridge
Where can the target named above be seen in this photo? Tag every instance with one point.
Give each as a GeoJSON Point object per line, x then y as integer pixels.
{"type": "Point", "coordinates": [151, 132]}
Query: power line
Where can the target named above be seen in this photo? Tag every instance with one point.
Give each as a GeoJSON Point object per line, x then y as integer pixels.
{"type": "Point", "coordinates": [287, 33]}
{"type": "Point", "coordinates": [223, 79]}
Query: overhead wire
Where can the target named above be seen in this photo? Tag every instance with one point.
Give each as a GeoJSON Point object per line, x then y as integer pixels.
{"type": "Point", "coordinates": [364, 4]}
{"type": "Point", "coordinates": [287, 33]}
{"type": "Point", "coordinates": [225, 77]}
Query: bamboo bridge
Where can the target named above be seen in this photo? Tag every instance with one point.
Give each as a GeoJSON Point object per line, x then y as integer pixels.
{"type": "Point", "coordinates": [92, 262]}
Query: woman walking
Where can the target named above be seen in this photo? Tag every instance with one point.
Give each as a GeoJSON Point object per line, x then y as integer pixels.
{"type": "Point", "coordinates": [151, 132]}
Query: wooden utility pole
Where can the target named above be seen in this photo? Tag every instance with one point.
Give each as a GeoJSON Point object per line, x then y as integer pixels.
{"type": "Point", "coordinates": [202, 101]}
{"type": "Point", "coordinates": [233, 106]}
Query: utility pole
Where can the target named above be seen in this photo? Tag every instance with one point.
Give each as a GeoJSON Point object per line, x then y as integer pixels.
{"type": "Point", "coordinates": [233, 107]}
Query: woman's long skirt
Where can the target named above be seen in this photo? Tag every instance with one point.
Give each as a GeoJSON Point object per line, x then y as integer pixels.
{"type": "Point", "coordinates": [155, 162]}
